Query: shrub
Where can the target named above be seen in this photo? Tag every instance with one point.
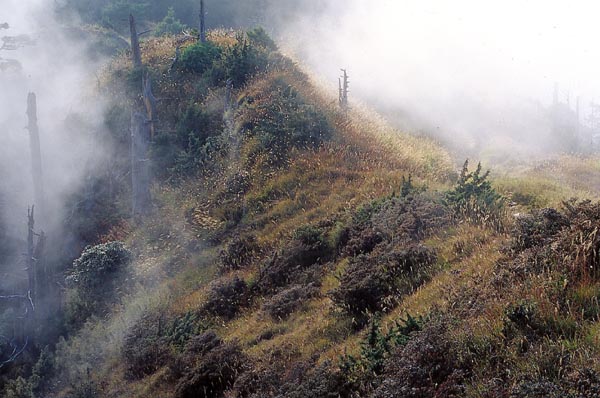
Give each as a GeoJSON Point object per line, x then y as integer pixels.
{"type": "Point", "coordinates": [93, 280]}
{"type": "Point", "coordinates": [260, 38]}
{"type": "Point", "coordinates": [377, 347]}
{"type": "Point", "coordinates": [321, 382]}
{"type": "Point", "coordinates": [475, 199]}
{"type": "Point", "coordinates": [283, 304]}
{"type": "Point", "coordinates": [238, 253]}
{"type": "Point", "coordinates": [537, 228]}
{"type": "Point", "coordinates": [243, 60]}
{"type": "Point", "coordinates": [208, 367]}
{"type": "Point", "coordinates": [409, 218]}
{"type": "Point", "coordinates": [169, 25]}
{"type": "Point", "coordinates": [372, 283]}
{"type": "Point", "coordinates": [425, 367]}
{"type": "Point", "coordinates": [146, 347]}
{"type": "Point", "coordinates": [227, 297]}
{"type": "Point", "coordinates": [199, 57]}
{"type": "Point", "coordinates": [90, 270]}
{"type": "Point", "coordinates": [284, 120]}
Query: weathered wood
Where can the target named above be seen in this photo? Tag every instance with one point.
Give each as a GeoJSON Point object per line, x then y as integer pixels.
{"type": "Point", "coordinates": [149, 103]}
{"type": "Point", "coordinates": [36, 156]}
{"type": "Point", "coordinates": [344, 85]}
{"type": "Point", "coordinates": [202, 33]}
{"type": "Point", "coordinates": [136, 53]}
{"type": "Point", "coordinates": [140, 165]}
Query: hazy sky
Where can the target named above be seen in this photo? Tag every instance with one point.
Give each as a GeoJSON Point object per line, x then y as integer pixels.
{"type": "Point", "coordinates": [460, 65]}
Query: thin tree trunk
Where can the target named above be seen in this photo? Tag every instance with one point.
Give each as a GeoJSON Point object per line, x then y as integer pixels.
{"type": "Point", "coordinates": [136, 53]}
{"type": "Point", "coordinates": [149, 103]}
{"type": "Point", "coordinates": [36, 155]}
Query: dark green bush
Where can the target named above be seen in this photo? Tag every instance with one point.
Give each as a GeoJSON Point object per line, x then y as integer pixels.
{"type": "Point", "coordinates": [475, 199]}
{"type": "Point", "coordinates": [169, 25]}
{"type": "Point", "coordinates": [93, 280]}
{"type": "Point", "coordinates": [199, 57]}
{"type": "Point", "coordinates": [377, 347]}
{"type": "Point", "coordinates": [260, 38]}
{"type": "Point", "coordinates": [286, 121]}
{"type": "Point", "coordinates": [90, 270]}
{"type": "Point", "coordinates": [243, 60]}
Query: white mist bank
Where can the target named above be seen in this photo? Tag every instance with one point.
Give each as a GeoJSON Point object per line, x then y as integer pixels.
{"type": "Point", "coordinates": [56, 69]}
{"type": "Point", "coordinates": [466, 71]}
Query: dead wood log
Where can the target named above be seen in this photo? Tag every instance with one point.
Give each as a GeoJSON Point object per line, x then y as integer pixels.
{"type": "Point", "coordinates": [36, 156]}
{"type": "Point", "coordinates": [136, 53]}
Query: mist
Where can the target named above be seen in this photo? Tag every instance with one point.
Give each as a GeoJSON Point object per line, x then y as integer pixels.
{"type": "Point", "coordinates": [476, 75]}
{"type": "Point", "coordinates": [55, 68]}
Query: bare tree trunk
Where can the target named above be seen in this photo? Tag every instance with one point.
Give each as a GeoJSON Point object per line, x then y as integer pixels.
{"type": "Point", "coordinates": [202, 35]}
{"type": "Point", "coordinates": [344, 89]}
{"type": "Point", "coordinates": [36, 155]}
{"type": "Point", "coordinates": [31, 274]}
{"type": "Point", "coordinates": [140, 165]}
{"type": "Point", "coordinates": [149, 103]}
{"type": "Point", "coordinates": [136, 53]}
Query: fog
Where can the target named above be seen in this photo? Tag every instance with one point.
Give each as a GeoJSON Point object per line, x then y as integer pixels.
{"type": "Point", "coordinates": [475, 74]}
{"type": "Point", "coordinates": [69, 118]}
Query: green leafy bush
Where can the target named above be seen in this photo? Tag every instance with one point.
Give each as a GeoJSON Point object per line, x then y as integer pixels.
{"type": "Point", "coordinates": [475, 199]}
{"type": "Point", "coordinates": [169, 25]}
{"type": "Point", "coordinates": [93, 280]}
{"type": "Point", "coordinates": [90, 270]}
{"type": "Point", "coordinates": [260, 38]}
{"type": "Point", "coordinates": [199, 57]}
{"type": "Point", "coordinates": [283, 121]}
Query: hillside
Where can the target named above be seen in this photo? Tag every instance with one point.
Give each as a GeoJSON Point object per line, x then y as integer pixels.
{"type": "Point", "coordinates": [296, 249]}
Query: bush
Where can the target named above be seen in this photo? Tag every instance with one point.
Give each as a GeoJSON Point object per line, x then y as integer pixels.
{"type": "Point", "coordinates": [321, 382]}
{"type": "Point", "coordinates": [226, 298]}
{"type": "Point", "coordinates": [536, 229]}
{"type": "Point", "coordinates": [425, 367]}
{"type": "Point", "coordinates": [238, 253]}
{"type": "Point", "coordinates": [373, 283]}
{"type": "Point", "coordinates": [208, 367]}
{"type": "Point", "coordinates": [260, 38]}
{"type": "Point", "coordinates": [199, 57]}
{"type": "Point", "coordinates": [90, 270]}
{"type": "Point", "coordinates": [243, 60]}
{"type": "Point", "coordinates": [169, 25]}
{"type": "Point", "coordinates": [377, 347]}
{"type": "Point", "coordinates": [475, 199]}
{"type": "Point", "coordinates": [283, 304]}
{"type": "Point", "coordinates": [94, 279]}
{"type": "Point", "coordinates": [284, 120]}
{"type": "Point", "coordinates": [146, 347]}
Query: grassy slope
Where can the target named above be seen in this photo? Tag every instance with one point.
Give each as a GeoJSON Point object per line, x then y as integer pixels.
{"type": "Point", "coordinates": [365, 160]}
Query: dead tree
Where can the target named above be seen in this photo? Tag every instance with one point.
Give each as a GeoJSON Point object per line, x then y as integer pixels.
{"type": "Point", "coordinates": [149, 103]}
{"type": "Point", "coordinates": [344, 85]}
{"type": "Point", "coordinates": [36, 155]}
{"type": "Point", "coordinates": [24, 326]}
{"type": "Point", "coordinates": [202, 33]}
{"type": "Point", "coordinates": [136, 53]}
{"type": "Point", "coordinates": [140, 165]}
